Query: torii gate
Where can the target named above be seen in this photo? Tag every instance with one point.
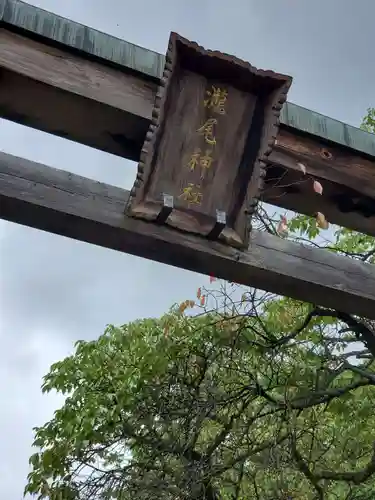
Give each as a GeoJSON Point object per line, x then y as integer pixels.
{"type": "Point", "coordinates": [73, 81]}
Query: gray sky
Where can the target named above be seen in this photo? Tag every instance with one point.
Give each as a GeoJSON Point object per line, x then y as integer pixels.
{"type": "Point", "coordinates": [54, 291]}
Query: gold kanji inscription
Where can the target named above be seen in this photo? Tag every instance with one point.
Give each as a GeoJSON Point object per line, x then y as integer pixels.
{"type": "Point", "coordinates": [207, 130]}
{"type": "Point", "coordinates": [191, 194]}
{"type": "Point", "coordinates": [216, 99]}
{"type": "Point", "coordinates": [194, 160]}
{"type": "Point", "coordinates": [204, 161]}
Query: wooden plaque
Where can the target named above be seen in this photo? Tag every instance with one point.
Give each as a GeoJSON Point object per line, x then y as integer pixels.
{"type": "Point", "coordinates": [214, 122]}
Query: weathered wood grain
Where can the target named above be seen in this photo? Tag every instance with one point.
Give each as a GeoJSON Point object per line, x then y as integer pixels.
{"type": "Point", "coordinates": [109, 108]}
{"type": "Point", "coordinates": [74, 74]}
{"type": "Point", "coordinates": [34, 22]}
{"type": "Point", "coordinates": [67, 95]}
{"type": "Point", "coordinates": [214, 123]}
{"type": "Point", "coordinates": [37, 23]}
{"type": "Point", "coordinates": [86, 210]}
{"type": "Point", "coordinates": [325, 160]}
{"type": "Point", "coordinates": [348, 180]}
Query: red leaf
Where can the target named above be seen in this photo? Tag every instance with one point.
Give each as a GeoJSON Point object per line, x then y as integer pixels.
{"type": "Point", "coordinates": [183, 307]}
{"type": "Point", "coordinates": [199, 293]}
{"type": "Point", "coordinates": [318, 188]}
{"type": "Point", "coordinates": [203, 300]}
{"type": "Point", "coordinates": [282, 229]}
{"type": "Point", "coordinates": [212, 278]}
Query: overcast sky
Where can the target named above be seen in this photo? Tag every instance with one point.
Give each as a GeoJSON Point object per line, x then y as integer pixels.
{"type": "Point", "coordinates": [54, 291]}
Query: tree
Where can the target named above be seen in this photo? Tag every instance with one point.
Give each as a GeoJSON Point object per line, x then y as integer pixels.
{"type": "Point", "coordinates": [368, 122]}
{"type": "Point", "coordinates": [238, 394]}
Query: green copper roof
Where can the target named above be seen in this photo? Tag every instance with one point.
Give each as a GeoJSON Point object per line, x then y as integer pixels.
{"type": "Point", "coordinates": [61, 30]}
{"type": "Point", "coordinates": [40, 22]}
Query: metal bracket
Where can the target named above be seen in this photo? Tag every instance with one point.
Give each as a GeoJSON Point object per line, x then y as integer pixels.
{"type": "Point", "coordinates": [221, 221]}
{"type": "Point", "coordinates": [166, 209]}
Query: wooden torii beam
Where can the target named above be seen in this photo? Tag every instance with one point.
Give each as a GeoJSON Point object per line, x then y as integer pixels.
{"type": "Point", "coordinates": [70, 205]}
{"type": "Point", "coordinates": [72, 81]}
{"type": "Point", "coordinates": [99, 90]}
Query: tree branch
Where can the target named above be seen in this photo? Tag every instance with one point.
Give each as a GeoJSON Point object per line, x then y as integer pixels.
{"type": "Point", "coordinates": [303, 467]}
{"type": "Point", "coordinates": [360, 371]}
{"type": "Point", "coordinates": [356, 477]}
{"type": "Point", "coordinates": [363, 332]}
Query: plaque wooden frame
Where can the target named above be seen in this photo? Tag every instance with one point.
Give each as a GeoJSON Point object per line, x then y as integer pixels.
{"type": "Point", "coordinates": [180, 182]}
